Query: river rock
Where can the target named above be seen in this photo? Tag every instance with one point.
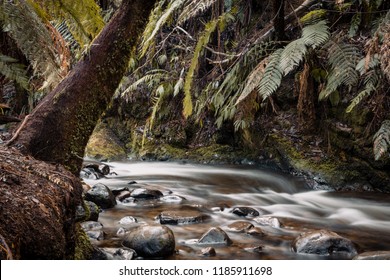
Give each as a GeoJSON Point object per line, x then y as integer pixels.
{"type": "Point", "coordinates": [89, 211]}
{"type": "Point", "coordinates": [120, 253]}
{"type": "Point", "coordinates": [128, 220]}
{"type": "Point", "coordinates": [240, 226]}
{"type": "Point", "coordinates": [91, 225]}
{"type": "Point", "coordinates": [215, 235]}
{"type": "Point", "coordinates": [323, 242]}
{"type": "Point", "coordinates": [172, 199]}
{"type": "Point", "coordinates": [374, 255]}
{"type": "Point", "coordinates": [245, 211]}
{"type": "Point", "coordinates": [255, 231]}
{"type": "Point", "coordinates": [95, 234]}
{"type": "Point", "coordinates": [182, 217]}
{"type": "Point", "coordinates": [145, 193]}
{"type": "Point", "coordinates": [268, 221]}
{"type": "Point", "coordinates": [208, 252]}
{"type": "Point", "coordinates": [101, 195]}
{"type": "Point", "coordinates": [151, 241]}
{"type": "Point", "coordinates": [123, 195]}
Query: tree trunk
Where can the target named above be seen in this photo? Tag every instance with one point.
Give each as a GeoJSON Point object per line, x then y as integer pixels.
{"type": "Point", "coordinates": [279, 24]}
{"type": "Point", "coordinates": [59, 127]}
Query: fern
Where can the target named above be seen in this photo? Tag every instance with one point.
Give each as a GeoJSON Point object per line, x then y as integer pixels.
{"type": "Point", "coordinates": [272, 77]}
{"type": "Point", "coordinates": [157, 19]}
{"type": "Point", "coordinates": [33, 39]}
{"type": "Point", "coordinates": [13, 71]}
{"type": "Point", "coordinates": [382, 140]}
{"type": "Point", "coordinates": [343, 59]}
{"type": "Point", "coordinates": [316, 35]}
{"type": "Point", "coordinates": [193, 9]}
{"type": "Point", "coordinates": [292, 55]}
{"type": "Point", "coordinates": [150, 79]}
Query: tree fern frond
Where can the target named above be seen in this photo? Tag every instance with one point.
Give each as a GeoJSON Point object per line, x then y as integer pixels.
{"type": "Point", "coordinates": [203, 40]}
{"type": "Point", "coordinates": [33, 39]}
{"type": "Point", "coordinates": [83, 18]}
{"type": "Point", "coordinates": [157, 19]}
{"type": "Point", "coordinates": [193, 9]}
{"type": "Point", "coordinates": [355, 23]}
{"type": "Point", "coordinates": [253, 80]}
{"type": "Point", "coordinates": [316, 34]}
{"type": "Point", "coordinates": [292, 55]}
{"type": "Point", "coordinates": [272, 77]}
{"type": "Point", "coordinates": [382, 140]}
{"type": "Point", "coordinates": [343, 59]}
{"type": "Point", "coordinates": [14, 71]}
{"type": "Point", "coordinates": [149, 79]}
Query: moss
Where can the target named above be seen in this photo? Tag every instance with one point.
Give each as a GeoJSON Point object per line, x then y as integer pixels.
{"type": "Point", "coordinates": [84, 248]}
{"type": "Point", "coordinates": [104, 144]}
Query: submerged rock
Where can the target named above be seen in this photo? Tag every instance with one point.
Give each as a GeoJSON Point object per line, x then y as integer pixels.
{"type": "Point", "coordinates": [245, 211]}
{"type": "Point", "coordinates": [151, 241]}
{"type": "Point", "coordinates": [208, 252]}
{"type": "Point", "coordinates": [215, 235]}
{"type": "Point", "coordinates": [101, 195]}
{"type": "Point", "coordinates": [323, 242]}
{"type": "Point", "coordinates": [240, 226]}
{"type": "Point", "coordinates": [182, 217]}
{"type": "Point", "coordinates": [144, 193]}
{"type": "Point", "coordinates": [374, 255]}
{"type": "Point", "coordinates": [128, 220]}
{"type": "Point", "coordinates": [268, 221]}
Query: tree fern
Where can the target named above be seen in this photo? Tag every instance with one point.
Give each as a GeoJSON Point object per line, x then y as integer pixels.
{"type": "Point", "coordinates": [14, 71]}
{"type": "Point", "coordinates": [382, 140]}
{"type": "Point", "coordinates": [157, 19]}
{"type": "Point", "coordinates": [33, 38]}
{"type": "Point", "coordinates": [194, 8]}
{"type": "Point", "coordinates": [343, 58]}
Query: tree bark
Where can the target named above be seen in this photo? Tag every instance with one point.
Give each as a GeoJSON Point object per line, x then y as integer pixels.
{"type": "Point", "coordinates": [58, 129]}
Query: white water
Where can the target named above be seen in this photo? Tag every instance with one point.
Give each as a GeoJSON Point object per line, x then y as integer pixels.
{"type": "Point", "coordinates": [362, 217]}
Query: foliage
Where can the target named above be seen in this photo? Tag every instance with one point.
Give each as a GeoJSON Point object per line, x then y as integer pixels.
{"type": "Point", "coordinates": [382, 140]}
{"type": "Point", "coordinates": [13, 70]}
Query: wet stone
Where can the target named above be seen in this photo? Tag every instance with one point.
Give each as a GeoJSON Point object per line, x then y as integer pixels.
{"type": "Point", "coordinates": [208, 252]}
{"type": "Point", "coordinates": [323, 242]}
{"type": "Point", "coordinates": [144, 193]}
{"type": "Point", "coordinates": [254, 249]}
{"type": "Point", "coordinates": [240, 226]}
{"type": "Point", "coordinates": [128, 220]}
{"type": "Point", "coordinates": [119, 253]}
{"type": "Point", "coordinates": [95, 234]}
{"type": "Point", "coordinates": [256, 232]}
{"type": "Point", "coordinates": [151, 241]}
{"type": "Point", "coordinates": [245, 211]}
{"type": "Point", "coordinates": [268, 221]}
{"type": "Point", "coordinates": [172, 199]}
{"type": "Point", "coordinates": [374, 255]}
{"type": "Point", "coordinates": [87, 212]}
{"type": "Point", "coordinates": [123, 195]}
{"type": "Point", "coordinates": [215, 235]}
{"type": "Point", "coordinates": [101, 195]}
{"type": "Point", "coordinates": [182, 217]}
{"type": "Point", "coordinates": [91, 225]}
{"type": "Point", "coordinates": [121, 232]}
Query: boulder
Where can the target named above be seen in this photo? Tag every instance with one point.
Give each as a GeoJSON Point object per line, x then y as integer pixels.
{"type": "Point", "coordinates": [151, 241]}
{"type": "Point", "coordinates": [215, 235]}
{"type": "Point", "coordinates": [208, 252]}
{"type": "Point", "coordinates": [240, 226]}
{"type": "Point", "coordinates": [101, 195]}
{"type": "Point", "coordinates": [89, 211]}
{"type": "Point", "coordinates": [323, 242]}
{"type": "Point", "coordinates": [268, 221]}
{"type": "Point", "coordinates": [145, 193]}
{"type": "Point", "coordinates": [128, 220]}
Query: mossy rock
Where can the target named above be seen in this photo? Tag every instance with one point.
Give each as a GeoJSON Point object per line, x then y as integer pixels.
{"type": "Point", "coordinates": [104, 144]}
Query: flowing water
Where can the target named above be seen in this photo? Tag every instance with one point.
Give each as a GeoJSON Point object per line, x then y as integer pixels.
{"type": "Point", "coordinates": [364, 218]}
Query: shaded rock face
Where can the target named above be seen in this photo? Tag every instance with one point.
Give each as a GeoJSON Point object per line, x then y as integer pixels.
{"type": "Point", "coordinates": [323, 242]}
{"type": "Point", "coordinates": [89, 211]}
{"type": "Point", "coordinates": [151, 241]}
{"type": "Point", "coordinates": [215, 236]}
{"type": "Point", "coordinates": [375, 255]}
{"type": "Point", "coordinates": [101, 195]}
{"type": "Point", "coordinates": [182, 217]}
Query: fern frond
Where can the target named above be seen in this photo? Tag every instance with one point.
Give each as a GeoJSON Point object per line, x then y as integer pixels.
{"type": "Point", "coordinates": [343, 59]}
{"type": "Point", "coordinates": [316, 35]}
{"type": "Point", "coordinates": [83, 18]}
{"type": "Point", "coordinates": [203, 40]}
{"type": "Point", "coordinates": [355, 23]}
{"type": "Point", "coordinates": [253, 80]}
{"type": "Point", "coordinates": [382, 140]}
{"type": "Point", "coordinates": [14, 71]}
{"type": "Point", "coordinates": [156, 21]}
{"type": "Point", "coordinates": [193, 9]}
{"type": "Point", "coordinates": [272, 77]}
{"type": "Point", "coordinates": [292, 55]}
{"type": "Point", "coordinates": [33, 39]}
{"type": "Point", "coordinates": [150, 79]}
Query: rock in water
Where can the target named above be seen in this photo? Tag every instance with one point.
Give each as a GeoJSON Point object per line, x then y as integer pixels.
{"type": "Point", "coordinates": [245, 211]}
{"type": "Point", "coordinates": [151, 241]}
{"type": "Point", "coordinates": [182, 217]}
{"type": "Point", "coordinates": [144, 193]}
{"type": "Point", "coordinates": [323, 242]}
{"type": "Point", "coordinates": [375, 255]}
{"type": "Point", "coordinates": [101, 195]}
{"type": "Point", "coordinates": [215, 236]}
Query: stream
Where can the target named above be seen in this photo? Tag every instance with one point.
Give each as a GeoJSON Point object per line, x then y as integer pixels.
{"type": "Point", "coordinates": [364, 218]}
